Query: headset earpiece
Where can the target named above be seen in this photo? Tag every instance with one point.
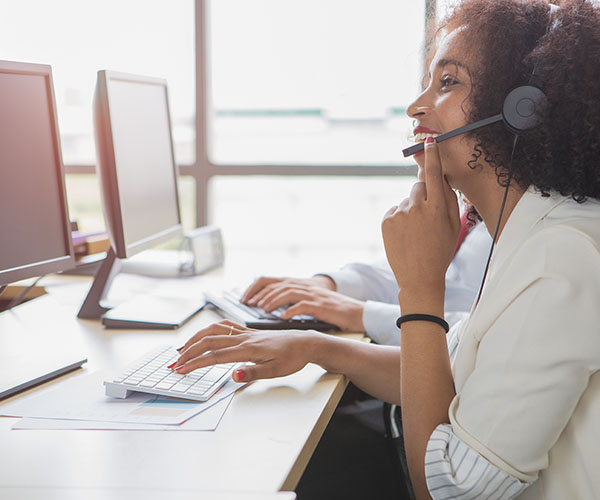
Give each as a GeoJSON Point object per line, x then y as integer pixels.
{"type": "Point", "coordinates": [523, 108]}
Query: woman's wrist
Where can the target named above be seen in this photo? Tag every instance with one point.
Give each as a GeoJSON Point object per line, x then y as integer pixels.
{"type": "Point", "coordinates": [321, 349]}
{"type": "Point", "coordinates": [423, 300]}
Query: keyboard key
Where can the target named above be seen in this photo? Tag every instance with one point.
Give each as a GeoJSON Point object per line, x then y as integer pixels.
{"type": "Point", "coordinates": [180, 387]}
{"type": "Point", "coordinates": [148, 383]}
{"type": "Point", "coordinates": [165, 386]}
{"type": "Point", "coordinates": [197, 391]}
{"type": "Point", "coordinates": [215, 374]}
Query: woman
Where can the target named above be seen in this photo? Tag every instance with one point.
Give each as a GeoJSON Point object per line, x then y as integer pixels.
{"type": "Point", "coordinates": [508, 405]}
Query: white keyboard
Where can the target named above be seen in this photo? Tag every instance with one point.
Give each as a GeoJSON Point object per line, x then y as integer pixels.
{"type": "Point", "coordinates": [150, 374]}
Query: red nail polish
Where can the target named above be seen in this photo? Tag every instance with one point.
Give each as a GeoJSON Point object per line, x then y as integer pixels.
{"type": "Point", "coordinates": [239, 375]}
{"type": "Point", "coordinates": [429, 140]}
{"type": "Point", "coordinates": [171, 365]}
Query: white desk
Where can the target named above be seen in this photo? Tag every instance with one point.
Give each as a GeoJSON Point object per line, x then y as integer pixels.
{"type": "Point", "coordinates": [136, 494]}
{"type": "Point", "coordinates": [262, 444]}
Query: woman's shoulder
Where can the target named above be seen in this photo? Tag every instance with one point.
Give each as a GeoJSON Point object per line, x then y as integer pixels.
{"type": "Point", "coordinates": [573, 222]}
{"type": "Point", "coordinates": [566, 239]}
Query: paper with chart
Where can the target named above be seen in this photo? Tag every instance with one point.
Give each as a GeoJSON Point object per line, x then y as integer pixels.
{"type": "Point", "coordinates": [83, 398]}
{"type": "Point", "coordinates": [208, 420]}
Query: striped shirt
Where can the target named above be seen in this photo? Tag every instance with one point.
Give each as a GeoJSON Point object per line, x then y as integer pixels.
{"type": "Point", "coordinates": [454, 470]}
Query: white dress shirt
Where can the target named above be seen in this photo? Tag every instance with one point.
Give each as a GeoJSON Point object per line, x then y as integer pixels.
{"type": "Point", "coordinates": [526, 364]}
{"type": "Point", "coordinates": [376, 285]}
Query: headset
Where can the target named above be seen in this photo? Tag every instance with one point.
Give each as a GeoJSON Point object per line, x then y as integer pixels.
{"type": "Point", "coordinates": [522, 111]}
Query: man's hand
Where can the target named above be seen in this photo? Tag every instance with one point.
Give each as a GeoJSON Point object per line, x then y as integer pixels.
{"type": "Point", "coordinates": [264, 285]}
{"type": "Point", "coordinates": [314, 296]}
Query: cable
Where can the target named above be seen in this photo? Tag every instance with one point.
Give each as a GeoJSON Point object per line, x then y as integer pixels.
{"type": "Point", "coordinates": [487, 265]}
{"type": "Point", "coordinates": [19, 298]}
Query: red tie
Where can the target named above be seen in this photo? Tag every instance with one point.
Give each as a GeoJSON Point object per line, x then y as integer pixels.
{"type": "Point", "coordinates": [465, 226]}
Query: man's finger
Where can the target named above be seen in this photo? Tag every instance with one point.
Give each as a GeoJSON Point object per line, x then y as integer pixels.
{"type": "Point", "coordinates": [277, 291]}
{"type": "Point", "coordinates": [302, 307]}
{"type": "Point", "coordinates": [286, 297]}
{"type": "Point", "coordinates": [256, 286]}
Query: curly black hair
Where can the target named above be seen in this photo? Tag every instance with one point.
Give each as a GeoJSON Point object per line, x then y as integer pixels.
{"type": "Point", "coordinates": [508, 39]}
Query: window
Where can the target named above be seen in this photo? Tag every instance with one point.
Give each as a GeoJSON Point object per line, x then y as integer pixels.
{"type": "Point", "coordinates": [311, 82]}
{"type": "Point", "coordinates": [147, 37]}
{"type": "Point", "coordinates": [309, 86]}
{"type": "Point", "coordinates": [323, 221]}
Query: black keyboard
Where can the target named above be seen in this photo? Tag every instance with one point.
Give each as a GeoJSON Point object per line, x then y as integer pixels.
{"type": "Point", "coordinates": [255, 317]}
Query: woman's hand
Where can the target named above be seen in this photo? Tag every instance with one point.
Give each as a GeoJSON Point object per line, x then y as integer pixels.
{"type": "Point", "coordinates": [274, 353]}
{"type": "Point", "coordinates": [420, 235]}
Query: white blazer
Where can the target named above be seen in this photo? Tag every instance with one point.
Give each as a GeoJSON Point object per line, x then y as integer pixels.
{"type": "Point", "coordinates": [526, 366]}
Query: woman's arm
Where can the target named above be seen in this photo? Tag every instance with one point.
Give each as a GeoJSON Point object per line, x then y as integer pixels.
{"type": "Point", "coordinates": [373, 368]}
{"type": "Point", "coordinates": [420, 235]}
{"type": "Point", "coordinates": [427, 390]}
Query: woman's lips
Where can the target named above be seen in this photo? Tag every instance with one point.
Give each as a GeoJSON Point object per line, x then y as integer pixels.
{"type": "Point", "coordinates": [420, 134]}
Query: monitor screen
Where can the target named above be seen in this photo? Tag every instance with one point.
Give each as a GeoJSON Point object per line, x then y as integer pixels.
{"type": "Point", "coordinates": [139, 172]}
{"type": "Point", "coordinates": [34, 222]}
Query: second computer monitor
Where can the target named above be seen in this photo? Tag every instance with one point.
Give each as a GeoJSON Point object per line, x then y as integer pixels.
{"type": "Point", "coordinates": [138, 177]}
{"type": "Point", "coordinates": [34, 220]}
{"type": "Point", "coordinates": [136, 161]}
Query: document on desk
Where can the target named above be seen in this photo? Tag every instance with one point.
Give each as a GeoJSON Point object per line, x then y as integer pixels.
{"type": "Point", "coordinates": [83, 399]}
{"type": "Point", "coordinates": [208, 420]}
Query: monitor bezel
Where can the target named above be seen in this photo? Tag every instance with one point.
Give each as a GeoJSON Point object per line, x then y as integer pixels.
{"type": "Point", "coordinates": [107, 167]}
{"type": "Point", "coordinates": [67, 261]}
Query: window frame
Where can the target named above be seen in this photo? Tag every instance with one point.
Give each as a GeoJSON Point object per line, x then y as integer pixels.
{"type": "Point", "coordinates": [202, 170]}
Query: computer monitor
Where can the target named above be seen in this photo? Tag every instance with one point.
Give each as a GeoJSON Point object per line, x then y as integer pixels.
{"type": "Point", "coordinates": [136, 161]}
{"type": "Point", "coordinates": [138, 177]}
{"type": "Point", "coordinates": [37, 341]}
{"type": "Point", "coordinates": [34, 219]}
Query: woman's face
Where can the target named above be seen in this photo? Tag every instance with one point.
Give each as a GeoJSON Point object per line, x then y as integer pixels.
{"type": "Point", "coordinates": [443, 106]}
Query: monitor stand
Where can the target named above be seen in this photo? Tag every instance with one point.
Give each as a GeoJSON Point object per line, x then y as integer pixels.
{"type": "Point", "coordinates": [142, 312]}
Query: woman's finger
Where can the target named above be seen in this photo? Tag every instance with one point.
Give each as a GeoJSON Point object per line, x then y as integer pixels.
{"type": "Point", "coordinates": [208, 344]}
{"type": "Point", "coordinates": [418, 193]}
{"type": "Point", "coordinates": [249, 373]}
{"type": "Point", "coordinates": [220, 328]}
{"type": "Point", "coordinates": [391, 211]}
{"type": "Point", "coordinates": [436, 193]}
{"type": "Point", "coordinates": [232, 354]}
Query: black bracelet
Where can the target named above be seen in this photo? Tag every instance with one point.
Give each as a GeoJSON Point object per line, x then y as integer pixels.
{"type": "Point", "coordinates": [422, 317]}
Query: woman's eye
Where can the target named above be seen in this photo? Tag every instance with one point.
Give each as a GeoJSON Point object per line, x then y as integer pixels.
{"type": "Point", "coordinates": [447, 82]}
